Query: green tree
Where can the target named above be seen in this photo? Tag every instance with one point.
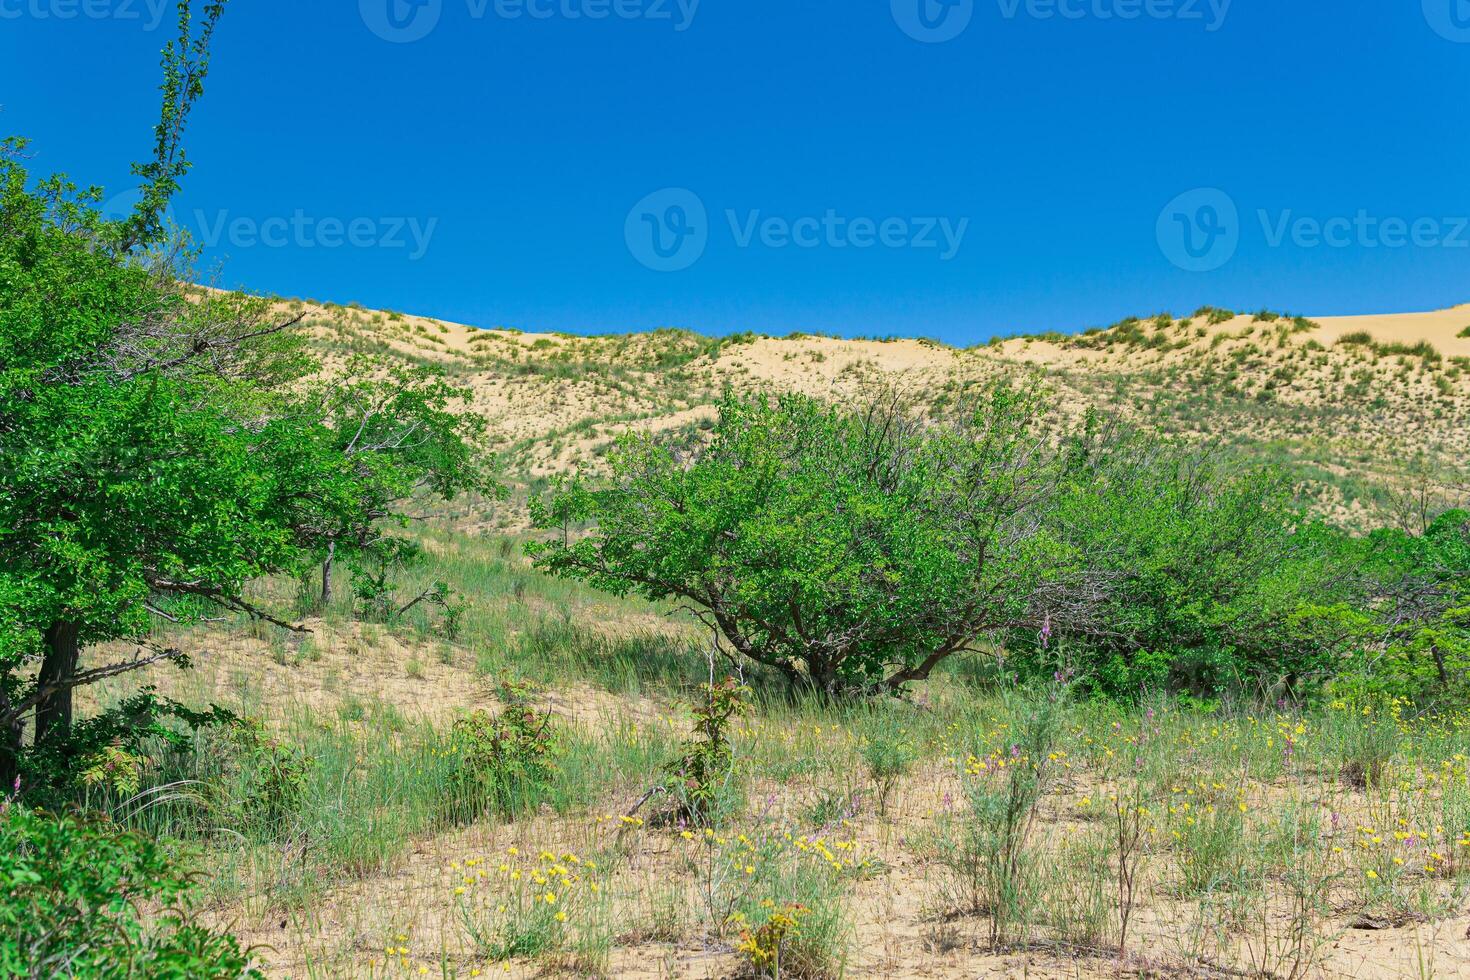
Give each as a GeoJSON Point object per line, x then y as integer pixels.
{"type": "Point", "coordinates": [846, 550]}
{"type": "Point", "coordinates": [1421, 602]}
{"type": "Point", "coordinates": [155, 456]}
{"type": "Point", "coordinates": [1214, 576]}
{"type": "Point", "coordinates": [404, 431]}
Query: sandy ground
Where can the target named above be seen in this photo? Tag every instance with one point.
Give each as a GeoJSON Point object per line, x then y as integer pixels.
{"type": "Point", "coordinates": [898, 925]}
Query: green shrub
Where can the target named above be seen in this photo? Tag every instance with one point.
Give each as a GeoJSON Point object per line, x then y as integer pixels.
{"type": "Point", "coordinates": [792, 916]}
{"type": "Point", "coordinates": [989, 864]}
{"type": "Point", "coordinates": [792, 941]}
{"type": "Point", "coordinates": [888, 756]}
{"type": "Point", "coordinates": [1211, 838]}
{"type": "Point", "coordinates": [1423, 350]}
{"type": "Point", "coordinates": [70, 906]}
{"type": "Point", "coordinates": [1209, 577]}
{"type": "Point", "coordinates": [105, 756]}
{"type": "Point", "coordinates": [1419, 612]}
{"type": "Point", "coordinates": [500, 762]}
{"type": "Point", "coordinates": [258, 783]}
{"type": "Point", "coordinates": [701, 779]}
{"type": "Point", "coordinates": [1366, 741]}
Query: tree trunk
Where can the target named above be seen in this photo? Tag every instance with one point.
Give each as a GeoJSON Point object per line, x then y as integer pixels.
{"type": "Point", "coordinates": [53, 713]}
{"type": "Point", "coordinates": [10, 743]}
{"type": "Point", "coordinates": [822, 674]}
{"type": "Point", "coordinates": [327, 572]}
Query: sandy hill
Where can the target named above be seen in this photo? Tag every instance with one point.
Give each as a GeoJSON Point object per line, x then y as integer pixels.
{"type": "Point", "coordinates": [1351, 404]}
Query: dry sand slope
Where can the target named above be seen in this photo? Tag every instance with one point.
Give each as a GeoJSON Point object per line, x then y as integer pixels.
{"type": "Point", "coordinates": [1348, 401]}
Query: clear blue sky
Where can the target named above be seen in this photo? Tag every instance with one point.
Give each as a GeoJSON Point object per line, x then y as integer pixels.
{"type": "Point", "coordinates": [512, 144]}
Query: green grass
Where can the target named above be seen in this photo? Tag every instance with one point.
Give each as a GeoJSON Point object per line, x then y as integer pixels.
{"type": "Point", "coordinates": [1245, 803]}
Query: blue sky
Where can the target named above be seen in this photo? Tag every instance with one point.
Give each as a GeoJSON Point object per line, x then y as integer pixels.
{"type": "Point", "coordinates": [957, 169]}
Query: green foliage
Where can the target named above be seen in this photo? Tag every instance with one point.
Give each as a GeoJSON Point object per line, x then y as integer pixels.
{"type": "Point", "coordinates": [985, 851]}
{"type": "Point", "coordinates": [888, 756]}
{"type": "Point", "coordinates": [1365, 742]}
{"type": "Point", "coordinates": [1212, 846]}
{"type": "Point", "coordinates": [147, 453]}
{"type": "Point", "coordinates": [74, 891]}
{"type": "Point", "coordinates": [1423, 350]}
{"type": "Point", "coordinates": [377, 568]}
{"type": "Point", "coordinates": [499, 759]}
{"type": "Point", "coordinates": [375, 571]}
{"type": "Point", "coordinates": [782, 946]}
{"type": "Point", "coordinates": [159, 452]}
{"type": "Point", "coordinates": [107, 752]}
{"type": "Point", "coordinates": [1213, 315]}
{"type": "Point", "coordinates": [1212, 577]}
{"type": "Point", "coordinates": [402, 431]}
{"type": "Point", "coordinates": [842, 549]}
{"type": "Point", "coordinates": [1422, 606]}
{"type": "Point", "coordinates": [261, 785]}
{"type": "Point", "coordinates": [700, 778]}
{"type": "Point", "coordinates": [185, 66]}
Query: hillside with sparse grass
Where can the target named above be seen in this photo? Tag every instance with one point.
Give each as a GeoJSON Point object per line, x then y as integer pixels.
{"type": "Point", "coordinates": [1332, 399]}
{"type": "Point", "coordinates": [339, 643]}
{"type": "Point", "coordinates": [339, 838]}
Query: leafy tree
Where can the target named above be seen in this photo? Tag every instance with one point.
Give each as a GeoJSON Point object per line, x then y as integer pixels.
{"type": "Point", "coordinates": [1214, 576]}
{"type": "Point", "coordinates": [841, 549]}
{"type": "Point", "coordinates": [156, 456]}
{"type": "Point", "coordinates": [1421, 607]}
{"type": "Point", "coordinates": [404, 431]}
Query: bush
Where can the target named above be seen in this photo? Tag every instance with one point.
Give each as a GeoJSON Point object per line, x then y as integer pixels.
{"type": "Point", "coordinates": [501, 762]}
{"type": "Point", "coordinates": [765, 945]}
{"type": "Point", "coordinates": [106, 755]}
{"type": "Point", "coordinates": [702, 778]}
{"type": "Point", "coordinates": [1214, 315]}
{"type": "Point", "coordinates": [1419, 612]}
{"type": "Point", "coordinates": [70, 905]}
{"type": "Point", "coordinates": [1213, 578]}
{"type": "Point", "coordinates": [888, 756]}
{"type": "Point", "coordinates": [846, 550]}
{"type": "Point", "coordinates": [1366, 742]}
{"type": "Point", "coordinates": [261, 784]}
{"type": "Point", "coordinates": [990, 866]}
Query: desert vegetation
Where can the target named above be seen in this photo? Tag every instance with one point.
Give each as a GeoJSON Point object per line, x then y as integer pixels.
{"type": "Point", "coordinates": [314, 664]}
